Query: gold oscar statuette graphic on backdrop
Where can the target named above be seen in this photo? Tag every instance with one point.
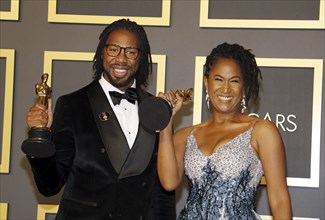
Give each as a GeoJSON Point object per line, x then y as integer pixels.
{"type": "Point", "coordinates": [155, 112]}
{"type": "Point", "coordinates": [39, 142]}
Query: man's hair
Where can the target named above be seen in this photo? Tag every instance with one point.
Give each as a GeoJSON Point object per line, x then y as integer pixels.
{"type": "Point", "coordinates": [246, 61]}
{"type": "Point", "coordinates": [145, 63]}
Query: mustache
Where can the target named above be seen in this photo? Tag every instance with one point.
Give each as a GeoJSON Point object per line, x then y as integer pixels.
{"type": "Point", "coordinates": [116, 83]}
{"type": "Point", "coordinates": [119, 64]}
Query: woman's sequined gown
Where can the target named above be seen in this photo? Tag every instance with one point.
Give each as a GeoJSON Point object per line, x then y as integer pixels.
{"type": "Point", "coordinates": [223, 185]}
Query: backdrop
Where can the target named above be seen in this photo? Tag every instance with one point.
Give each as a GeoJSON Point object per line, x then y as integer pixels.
{"type": "Point", "coordinates": [59, 37]}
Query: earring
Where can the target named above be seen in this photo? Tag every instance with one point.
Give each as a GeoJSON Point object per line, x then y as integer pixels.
{"type": "Point", "coordinates": [207, 99]}
{"type": "Point", "coordinates": [243, 105]}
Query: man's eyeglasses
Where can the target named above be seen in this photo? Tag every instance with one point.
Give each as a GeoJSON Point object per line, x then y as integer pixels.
{"type": "Point", "coordinates": [115, 50]}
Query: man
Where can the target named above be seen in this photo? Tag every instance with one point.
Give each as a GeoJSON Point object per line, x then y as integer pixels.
{"type": "Point", "coordinates": [104, 157]}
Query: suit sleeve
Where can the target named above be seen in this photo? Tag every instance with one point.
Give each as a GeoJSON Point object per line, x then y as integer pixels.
{"type": "Point", "coordinates": [50, 173]}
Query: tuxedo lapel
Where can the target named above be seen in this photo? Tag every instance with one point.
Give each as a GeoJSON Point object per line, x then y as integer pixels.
{"type": "Point", "coordinates": [142, 149]}
{"type": "Point", "coordinates": [110, 130]}
{"type": "Point", "coordinates": [126, 162]}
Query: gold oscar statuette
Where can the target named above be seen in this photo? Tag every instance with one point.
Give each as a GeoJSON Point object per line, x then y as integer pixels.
{"type": "Point", "coordinates": [39, 142]}
{"type": "Point", "coordinates": [185, 94]}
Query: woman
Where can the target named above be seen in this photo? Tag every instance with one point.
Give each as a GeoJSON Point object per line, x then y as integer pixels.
{"type": "Point", "coordinates": [225, 156]}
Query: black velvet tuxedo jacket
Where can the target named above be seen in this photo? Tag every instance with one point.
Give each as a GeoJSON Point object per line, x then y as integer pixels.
{"type": "Point", "coordinates": [103, 178]}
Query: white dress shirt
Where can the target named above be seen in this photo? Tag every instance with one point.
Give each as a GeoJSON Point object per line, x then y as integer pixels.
{"type": "Point", "coordinates": [126, 112]}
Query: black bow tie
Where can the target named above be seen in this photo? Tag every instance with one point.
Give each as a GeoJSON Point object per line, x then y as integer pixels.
{"type": "Point", "coordinates": [129, 95]}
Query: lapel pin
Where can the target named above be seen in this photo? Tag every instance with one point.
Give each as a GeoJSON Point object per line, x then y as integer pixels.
{"type": "Point", "coordinates": [104, 116]}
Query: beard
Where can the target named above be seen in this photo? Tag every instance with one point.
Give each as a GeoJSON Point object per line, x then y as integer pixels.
{"type": "Point", "coordinates": [119, 84]}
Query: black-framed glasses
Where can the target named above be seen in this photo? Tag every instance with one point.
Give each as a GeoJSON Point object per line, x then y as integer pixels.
{"type": "Point", "coordinates": [115, 50]}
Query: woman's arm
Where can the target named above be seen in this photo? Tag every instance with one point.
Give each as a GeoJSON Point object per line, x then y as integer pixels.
{"type": "Point", "coordinates": [272, 154]}
{"type": "Point", "coordinates": [171, 157]}
{"type": "Point", "coordinates": [171, 149]}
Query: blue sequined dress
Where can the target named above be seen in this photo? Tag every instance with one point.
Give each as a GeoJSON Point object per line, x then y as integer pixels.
{"type": "Point", "coordinates": [223, 185]}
